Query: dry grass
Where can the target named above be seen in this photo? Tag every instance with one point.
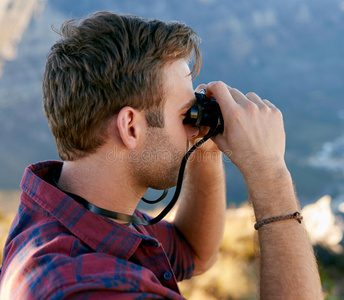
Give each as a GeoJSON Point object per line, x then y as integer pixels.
{"type": "Point", "coordinates": [234, 276]}
{"type": "Point", "coordinates": [9, 201]}
{"type": "Point", "coordinates": [5, 223]}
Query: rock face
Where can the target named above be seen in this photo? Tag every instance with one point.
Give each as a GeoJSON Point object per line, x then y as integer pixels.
{"type": "Point", "coordinates": [15, 16]}
{"type": "Point", "coordinates": [323, 226]}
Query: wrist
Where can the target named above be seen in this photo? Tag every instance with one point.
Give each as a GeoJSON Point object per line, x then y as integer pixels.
{"type": "Point", "coordinates": [263, 170]}
{"type": "Point", "coordinates": [272, 193]}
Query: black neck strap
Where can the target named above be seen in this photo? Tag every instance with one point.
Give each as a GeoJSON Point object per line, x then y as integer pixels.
{"type": "Point", "coordinates": [134, 219]}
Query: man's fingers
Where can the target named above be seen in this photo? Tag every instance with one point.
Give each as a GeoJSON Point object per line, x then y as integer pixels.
{"type": "Point", "coordinates": [268, 103]}
{"type": "Point", "coordinates": [200, 87]}
{"type": "Point", "coordinates": [255, 99]}
{"type": "Point", "coordinates": [238, 96]}
{"type": "Point", "coordinates": [228, 87]}
{"type": "Point", "coordinates": [221, 92]}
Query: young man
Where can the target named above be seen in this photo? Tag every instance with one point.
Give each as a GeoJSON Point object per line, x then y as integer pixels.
{"type": "Point", "coordinates": [116, 89]}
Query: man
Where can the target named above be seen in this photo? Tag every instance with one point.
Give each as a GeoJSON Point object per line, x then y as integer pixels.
{"type": "Point", "coordinates": [116, 90]}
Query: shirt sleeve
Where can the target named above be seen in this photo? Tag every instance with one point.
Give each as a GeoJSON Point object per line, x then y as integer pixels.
{"type": "Point", "coordinates": [175, 245]}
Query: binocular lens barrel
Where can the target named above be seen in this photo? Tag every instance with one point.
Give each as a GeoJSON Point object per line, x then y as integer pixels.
{"type": "Point", "coordinates": [205, 112]}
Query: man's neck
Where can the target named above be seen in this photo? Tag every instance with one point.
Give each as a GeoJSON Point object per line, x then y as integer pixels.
{"type": "Point", "coordinates": [102, 183]}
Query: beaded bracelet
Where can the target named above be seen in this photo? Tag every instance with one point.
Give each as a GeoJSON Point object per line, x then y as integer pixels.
{"type": "Point", "coordinates": [297, 216]}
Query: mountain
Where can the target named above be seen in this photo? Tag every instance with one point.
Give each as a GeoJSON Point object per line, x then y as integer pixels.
{"type": "Point", "coordinates": [15, 16]}
{"type": "Point", "coordinates": [289, 52]}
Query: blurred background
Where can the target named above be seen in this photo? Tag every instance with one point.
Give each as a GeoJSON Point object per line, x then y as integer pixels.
{"type": "Point", "coordinates": [290, 52]}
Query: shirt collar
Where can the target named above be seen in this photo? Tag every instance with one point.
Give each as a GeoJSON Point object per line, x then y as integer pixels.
{"type": "Point", "coordinates": [99, 233]}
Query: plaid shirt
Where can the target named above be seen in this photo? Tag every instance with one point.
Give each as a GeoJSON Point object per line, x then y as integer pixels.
{"type": "Point", "coordinates": [58, 249]}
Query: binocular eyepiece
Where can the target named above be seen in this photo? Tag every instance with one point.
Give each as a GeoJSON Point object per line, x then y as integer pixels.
{"type": "Point", "coordinates": [205, 112]}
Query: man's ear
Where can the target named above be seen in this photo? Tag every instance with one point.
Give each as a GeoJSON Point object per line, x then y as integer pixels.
{"type": "Point", "coordinates": [129, 124]}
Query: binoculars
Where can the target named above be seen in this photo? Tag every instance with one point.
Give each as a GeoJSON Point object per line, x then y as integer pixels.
{"type": "Point", "coordinates": [205, 112]}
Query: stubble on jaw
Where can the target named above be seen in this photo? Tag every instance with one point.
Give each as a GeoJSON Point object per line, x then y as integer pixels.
{"type": "Point", "coordinates": [159, 161]}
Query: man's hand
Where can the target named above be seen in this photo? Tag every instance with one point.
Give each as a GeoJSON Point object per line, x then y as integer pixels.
{"type": "Point", "coordinates": [255, 138]}
{"type": "Point", "coordinates": [253, 129]}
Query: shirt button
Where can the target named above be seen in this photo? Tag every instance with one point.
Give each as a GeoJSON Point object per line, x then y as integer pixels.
{"type": "Point", "coordinates": [167, 275]}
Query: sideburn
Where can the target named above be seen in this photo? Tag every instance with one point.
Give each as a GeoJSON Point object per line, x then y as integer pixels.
{"type": "Point", "coordinates": [155, 117]}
